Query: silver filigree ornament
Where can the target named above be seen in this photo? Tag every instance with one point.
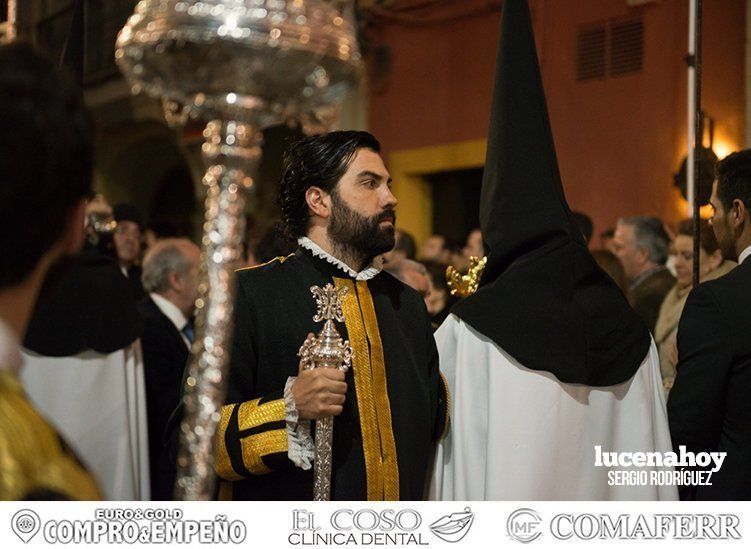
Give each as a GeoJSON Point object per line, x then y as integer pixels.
{"type": "Point", "coordinates": [240, 65]}
{"type": "Point", "coordinates": [327, 350]}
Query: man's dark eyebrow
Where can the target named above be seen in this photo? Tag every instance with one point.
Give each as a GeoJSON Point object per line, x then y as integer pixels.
{"type": "Point", "coordinates": [368, 173]}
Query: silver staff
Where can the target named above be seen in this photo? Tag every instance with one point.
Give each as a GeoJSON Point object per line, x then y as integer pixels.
{"type": "Point", "coordinates": [328, 350]}
{"type": "Point", "coordinates": [241, 65]}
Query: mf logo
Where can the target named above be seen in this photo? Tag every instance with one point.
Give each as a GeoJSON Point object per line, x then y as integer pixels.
{"type": "Point", "coordinates": [524, 525]}
{"type": "Point", "coordinates": [303, 520]}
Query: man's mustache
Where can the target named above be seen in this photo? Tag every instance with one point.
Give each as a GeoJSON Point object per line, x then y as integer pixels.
{"type": "Point", "coordinates": [387, 215]}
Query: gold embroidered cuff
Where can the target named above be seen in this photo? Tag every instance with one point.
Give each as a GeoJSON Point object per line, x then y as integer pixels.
{"type": "Point", "coordinates": [248, 432]}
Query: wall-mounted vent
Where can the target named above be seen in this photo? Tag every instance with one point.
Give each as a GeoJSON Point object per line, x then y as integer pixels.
{"type": "Point", "coordinates": [609, 49]}
{"type": "Point", "coordinates": [626, 47]}
{"type": "Point", "coordinates": [590, 53]}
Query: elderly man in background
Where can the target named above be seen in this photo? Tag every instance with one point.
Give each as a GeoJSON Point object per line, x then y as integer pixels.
{"type": "Point", "coordinates": [170, 275]}
{"type": "Point", "coordinates": [642, 244]}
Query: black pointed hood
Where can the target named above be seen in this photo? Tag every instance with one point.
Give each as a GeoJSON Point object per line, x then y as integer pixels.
{"type": "Point", "coordinates": [542, 297]}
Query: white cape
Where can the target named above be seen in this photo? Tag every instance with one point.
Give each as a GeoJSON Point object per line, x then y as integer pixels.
{"type": "Point", "coordinates": [97, 403]}
{"type": "Point", "coordinates": [520, 434]}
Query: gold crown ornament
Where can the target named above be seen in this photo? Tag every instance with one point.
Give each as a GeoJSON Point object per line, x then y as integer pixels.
{"type": "Point", "coordinates": [463, 285]}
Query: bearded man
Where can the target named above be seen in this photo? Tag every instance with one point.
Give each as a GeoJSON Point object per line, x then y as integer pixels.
{"type": "Point", "coordinates": [336, 201]}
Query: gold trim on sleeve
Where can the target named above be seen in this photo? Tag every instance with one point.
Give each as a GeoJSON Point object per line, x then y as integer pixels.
{"type": "Point", "coordinates": [225, 491]}
{"type": "Point", "coordinates": [255, 447]}
{"type": "Point", "coordinates": [380, 390]}
{"type": "Point", "coordinates": [251, 414]}
{"type": "Point", "coordinates": [223, 465]}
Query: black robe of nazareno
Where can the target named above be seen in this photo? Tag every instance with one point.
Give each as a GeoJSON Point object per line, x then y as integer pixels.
{"type": "Point", "coordinates": [397, 402]}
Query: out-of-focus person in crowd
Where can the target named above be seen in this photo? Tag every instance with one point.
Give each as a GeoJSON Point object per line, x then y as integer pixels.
{"type": "Point", "coordinates": [584, 222]}
{"type": "Point", "coordinates": [404, 248]}
{"type": "Point", "coordinates": [711, 266]}
{"type": "Point", "coordinates": [440, 300]}
{"type": "Point", "coordinates": [413, 274]}
{"type": "Point", "coordinates": [607, 240]}
{"type": "Point", "coordinates": [641, 244]}
{"type": "Point", "coordinates": [46, 162]}
{"type": "Point", "coordinates": [670, 261]}
{"type": "Point", "coordinates": [473, 247]}
{"type": "Point", "coordinates": [709, 408]}
{"type": "Point", "coordinates": [609, 263]}
{"type": "Point", "coordinates": [157, 230]}
{"type": "Point", "coordinates": [438, 247]}
{"type": "Point", "coordinates": [170, 276]}
{"type": "Point", "coordinates": [83, 362]}
{"type": "Point", "coordinates": [128, 236]}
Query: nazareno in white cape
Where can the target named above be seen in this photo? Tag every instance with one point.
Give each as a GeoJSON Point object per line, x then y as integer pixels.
{"type": "Point", "coordinates": [520, 434]}
{"type": "Point", "coordinates": [98, 403]}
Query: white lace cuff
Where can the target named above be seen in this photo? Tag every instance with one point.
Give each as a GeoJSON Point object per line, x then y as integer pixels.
{"type": "Point", "coordinates": [300, 446]}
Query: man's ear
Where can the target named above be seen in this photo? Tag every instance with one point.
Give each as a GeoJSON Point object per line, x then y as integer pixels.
{"type": "Point", "coordinates": [643, 253]}
{"type": "Point", "coordinates": [73, 234]}
{"type": "Point", "coordinates": [175, 281]}
{"type": "Point", "coordinates": [319, 202]}
{"type": "Point", "coordinates": [738, 213]}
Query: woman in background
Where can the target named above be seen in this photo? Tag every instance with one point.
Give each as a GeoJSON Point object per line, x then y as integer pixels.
{"type": "Point", "coordinates": [711, 266]}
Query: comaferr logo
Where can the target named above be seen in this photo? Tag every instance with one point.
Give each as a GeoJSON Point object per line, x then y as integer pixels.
{"type": "Point", "coordinates": [524, 525]}
{"type": "Point", "coordinates": [589, 526]}
{"type": "Point", "coordinates": [453, 527]}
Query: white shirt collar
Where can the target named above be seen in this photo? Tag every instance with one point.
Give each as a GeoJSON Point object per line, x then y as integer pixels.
{"type": "Point", "coordinates": [170, 310]}
{"type": "Point", "coordinates": [10, 349]}
{"type": "Point", "coordinates": [744, 254]}
{"type": "Point", "coordinates": [367, 273]}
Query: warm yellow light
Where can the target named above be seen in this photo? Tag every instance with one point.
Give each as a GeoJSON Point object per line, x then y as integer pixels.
{"type": "Point", "coordinates": [705, 212]}
{"type": "Point", "coordinates": [722, 148]}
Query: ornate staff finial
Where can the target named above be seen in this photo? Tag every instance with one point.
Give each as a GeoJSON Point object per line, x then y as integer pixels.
{"type": "Point", "coordinates": [329, 302]}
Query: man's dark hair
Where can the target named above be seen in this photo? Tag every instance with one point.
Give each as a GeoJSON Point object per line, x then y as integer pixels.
{"type": "Point", "coordinates": [45, 157]}
{"type": "Point", "coordinates": [316, 161]}
{"type": "Point", "coordinates": [405, 242]}
{"type": "Point", "coordinates": [734, 179]}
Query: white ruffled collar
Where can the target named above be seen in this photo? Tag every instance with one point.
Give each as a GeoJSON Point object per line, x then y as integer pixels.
{"type": "Point", "coordinates": [367, 273]}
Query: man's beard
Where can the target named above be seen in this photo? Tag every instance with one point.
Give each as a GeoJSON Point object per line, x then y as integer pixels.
{"type": "Point", "coordinates": [725, 241]}
{"type": "Point", "coordinates": [358, 236]}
